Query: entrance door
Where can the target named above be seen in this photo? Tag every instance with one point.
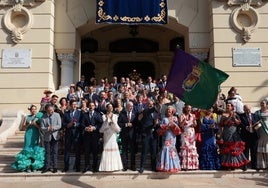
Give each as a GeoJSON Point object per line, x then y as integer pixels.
{"type": "Point", "coordinates": [125, 68]}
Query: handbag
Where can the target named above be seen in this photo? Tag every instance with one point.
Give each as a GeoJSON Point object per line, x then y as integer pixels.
{"type": "Point", "coordinates": [257, 126]}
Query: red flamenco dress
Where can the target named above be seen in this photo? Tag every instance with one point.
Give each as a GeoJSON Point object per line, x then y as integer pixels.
{"type": "Point", "coordinates": [231, 145]}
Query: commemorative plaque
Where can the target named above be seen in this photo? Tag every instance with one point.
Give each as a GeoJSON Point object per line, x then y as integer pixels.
{"type": "Point", "coordinates": [16, 58]}
{"type": "Point", "coordinates": [246, 57]}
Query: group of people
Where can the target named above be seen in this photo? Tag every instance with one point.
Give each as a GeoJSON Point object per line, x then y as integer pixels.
{"type": "Point", "coordinates": [120, 119]}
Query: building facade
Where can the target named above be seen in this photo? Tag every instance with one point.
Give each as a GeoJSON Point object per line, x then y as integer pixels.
{"type": "Point", "coordinates": [49, 44]}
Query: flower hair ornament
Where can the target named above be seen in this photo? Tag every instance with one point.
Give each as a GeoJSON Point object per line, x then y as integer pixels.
{"type": "Point", "coordinates": [31, 106]}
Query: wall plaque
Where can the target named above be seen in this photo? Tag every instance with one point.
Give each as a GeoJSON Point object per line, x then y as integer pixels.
{"type": "Point", "coordinates": [16, 58]}
{"type": "Point", "coordinates": [246, 57]}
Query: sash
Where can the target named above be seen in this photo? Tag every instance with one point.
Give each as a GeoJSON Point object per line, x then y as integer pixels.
{"type": "Point", "coordinates": [264, 125]}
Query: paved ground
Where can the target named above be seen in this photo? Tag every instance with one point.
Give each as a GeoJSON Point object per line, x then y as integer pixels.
{"type": "Point", "coordinates": [155, 183]}
{"type": "Point", "coordinates": [138, 181]}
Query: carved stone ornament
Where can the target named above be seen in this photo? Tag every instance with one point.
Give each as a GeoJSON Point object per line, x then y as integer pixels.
{"type": "Point", "coordinates": [25, 3]}
{"type": "Point", "coordinates": [245, 19]}
{"type": "Point", "coordinates": [239, 2]}
{"type": "Point", "coordinates": [67, 57]}
{"type": "Point", "coordinates": [18, 20]}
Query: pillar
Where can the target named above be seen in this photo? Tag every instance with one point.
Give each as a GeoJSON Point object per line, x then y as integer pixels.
{"type": "Point", "coordinates": [67, 65]}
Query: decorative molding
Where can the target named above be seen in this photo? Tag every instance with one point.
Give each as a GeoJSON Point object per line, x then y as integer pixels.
{"type": "Point", "coordinates": [239, 2]}
{"type": "Point", "coordinates": [17, 29]}
{"type": "Point", "coordinates": [67, 57]}
{"type": "Point", "coordinates": [18, 20]}
{"type": "Point", "coordinates": [26, 3]}
{"type": "Point", "coordinates": [201, 54]}
{"type": "Point", "coordinates": [245, 19]}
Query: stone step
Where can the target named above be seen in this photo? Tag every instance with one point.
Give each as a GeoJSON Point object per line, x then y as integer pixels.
{"type": "Point", "coordinates": [13, 151]}
{"type": "Point", "coordinates": [127, 175]}
{"type": "Point", "coordinates": [7, 159]}
{"type": "Point", "coordinates": [19, 132]}
{"type": "Point", "coordinates": [6, 168]}
{"type": "Point", "coordinates": [12, 144]}
{"type": "Point", "coordinates": [15, 137]}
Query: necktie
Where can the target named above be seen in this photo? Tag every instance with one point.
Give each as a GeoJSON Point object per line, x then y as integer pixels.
{"type": "Point", "coordinates": [90, 114]}
{"type": "Point", "coordinates": [72, 114]}
{"type": "Point", "coordinates": [50, 120]}
{"type": "Point", "coordinates": [152, 115]}
{"type": "Point", "coordinates": [129, 116]}
{"type": "Point", "coordinates": [103, 103]}
{"type": "Point", "coordinates": [250, 119]}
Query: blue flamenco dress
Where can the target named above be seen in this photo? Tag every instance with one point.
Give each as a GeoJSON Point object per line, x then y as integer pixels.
{"type": "Point", "coordinates": [32, 156]}
{"type": "Point", "coordinates": [209, 157]}
{"type": "Point", "coordinates": [168, 159]}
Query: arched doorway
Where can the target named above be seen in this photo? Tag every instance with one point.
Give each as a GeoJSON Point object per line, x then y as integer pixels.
{"type": "Point", "coordinates": [143, 68]}
{"type": "Point", "coordinates": [118, 49]}
{"type": "Point", "coordinates": [88, 70]}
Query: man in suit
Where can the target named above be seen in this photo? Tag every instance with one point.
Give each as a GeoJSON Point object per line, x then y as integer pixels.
{"type": "Point", "coordinates": [50, 126]}
{"type": "Point", "coordinates": [54, 100]}
{"type": "Point", "coordinates": [139, 106]}
{"type": "Point", "coordinates": [82, 83]}
{"type": "Point", "coordinates": [127, 122]}
{"type": "Point", "coordinates": [91, 123]}
{"type": "Point", "coordinates": [91, 96]}
{"type": "Point", "coordinates": [102, 102]}
{"type": "Point", "coordinates": [150, 86]}
{"type": "Point", "coordinates": [249, 135]}
{"type": "Point", "coordinates": [149, 122]}
{"type": "Point", "coordinates": [71, 123]}
{"type": "Point", "coordinates": [126, 99]}
{"type": "Point", "coordinates": [163, 83]}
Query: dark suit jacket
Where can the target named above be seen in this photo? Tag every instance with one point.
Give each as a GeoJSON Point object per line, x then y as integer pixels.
{"type": "Point", "coordinates": [123, 120]}
{"type": "Point", "coordinates": [245, 134]}
{"type": "Point", "coordinates": [138, 107]}
{"type": "Point", "coordinates": [95, 121]}
{"type": "Point", "coordinates": [147, 122]}
{"type": "Point", "coordinates": [92, 98]}
{"type": "Point", "coordinates": [82, 84]}
{"type": "Point", "coordinates": [67, 119]}
{"type": "Point", "coordinates": [100, 108]}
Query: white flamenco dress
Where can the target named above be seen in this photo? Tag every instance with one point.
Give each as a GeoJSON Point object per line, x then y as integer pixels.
{"type": "Point", "coordinates": [110, 159]}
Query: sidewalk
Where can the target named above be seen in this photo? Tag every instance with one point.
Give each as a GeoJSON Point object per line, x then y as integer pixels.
{"type": "Point", "coordinates": [178, 182]}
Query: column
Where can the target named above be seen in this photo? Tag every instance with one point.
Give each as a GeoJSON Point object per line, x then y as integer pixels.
{"type": "Point", "coordinates": [67, 64]}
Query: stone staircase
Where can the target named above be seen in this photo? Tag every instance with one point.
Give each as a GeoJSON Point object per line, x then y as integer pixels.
{"type": "Point", "coordinates": [14, 144]}
{"type": "Point", "coordinates": [9, 149]}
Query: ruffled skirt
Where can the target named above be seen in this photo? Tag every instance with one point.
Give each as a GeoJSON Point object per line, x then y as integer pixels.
{"type": "Point", "coordinates": [29, 159]}
{"type": "Point", "coordinates": [168, 160]}
{"type": "Point", "coordinates": [209, 157]}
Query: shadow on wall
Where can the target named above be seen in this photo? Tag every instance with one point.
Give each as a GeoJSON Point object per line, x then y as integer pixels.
{"type": "Point", "coordinates": [262, 85]}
